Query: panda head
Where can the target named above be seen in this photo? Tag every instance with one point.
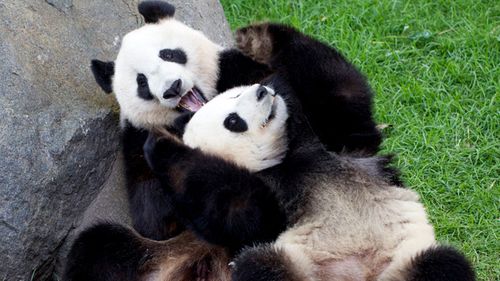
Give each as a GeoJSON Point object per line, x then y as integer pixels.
{"type": "Point", "coordinates": [245, 125]}
{"type": "Point", "coordinates": [162, 69]}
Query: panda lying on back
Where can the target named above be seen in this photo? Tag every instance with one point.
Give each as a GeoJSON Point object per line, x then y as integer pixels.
{"type": "Point", "coordinates": [337, 217]}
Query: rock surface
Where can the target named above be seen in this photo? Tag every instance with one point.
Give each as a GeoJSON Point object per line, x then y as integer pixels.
{"type": "Point", "coordinates": [58, 131]}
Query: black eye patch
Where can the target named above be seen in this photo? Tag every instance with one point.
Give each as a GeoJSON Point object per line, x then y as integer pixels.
{"type": "Point", "coordinates": [143, 87]}
{"type": "Point", "coordinates": [234, 123]}
{"type": "Point", "coordinates": [173, 55]}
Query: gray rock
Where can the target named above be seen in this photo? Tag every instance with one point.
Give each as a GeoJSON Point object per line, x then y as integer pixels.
{"type": "Point", "coordinates": [58, 131]}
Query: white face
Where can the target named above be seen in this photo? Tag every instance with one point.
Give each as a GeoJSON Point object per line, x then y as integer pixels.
{"type": "Point", "coordinates": [157, 65]}
{"type": "Point", "coordinates": [246, 125]}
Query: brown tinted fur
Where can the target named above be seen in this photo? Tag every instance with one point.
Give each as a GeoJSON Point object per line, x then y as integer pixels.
{"type": "Point", "coordinates": [185, 258]}
{"type": "Point", "coordinates": [255, 42]}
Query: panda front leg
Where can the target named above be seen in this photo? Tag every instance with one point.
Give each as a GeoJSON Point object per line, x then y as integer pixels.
{"type": "Point", "coordinates": [335, 96]}
{"type": "Point", "coordinates": [308, 63]}
{"type": "Point", "coordinates": [224, 204]}
{"type": "Point", "coordinates": [151, 211]}
{"type": "Point", "coordinates": [237, 69]}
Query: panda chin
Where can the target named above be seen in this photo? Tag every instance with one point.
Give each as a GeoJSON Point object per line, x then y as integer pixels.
{"type": "Point", "coordinates": [192, 101]}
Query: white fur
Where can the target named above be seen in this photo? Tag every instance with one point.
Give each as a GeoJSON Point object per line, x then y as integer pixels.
{"type": "Point", "coordinates": [139, 54]}
{"type": "Point", "coordinates": [356, 231]}
{"type": "Point", "coordinates": [256, 149]}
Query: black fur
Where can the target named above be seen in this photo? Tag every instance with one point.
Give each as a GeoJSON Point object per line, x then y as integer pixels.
{"type": "Point", "coordinates": [179, 125]}
{"type": "Point", "coordinates": [263, 263]}
{"type": "Point", "coordinates": [335, 96]}
{"type": "Point", "coordinates": [143, 90]}
{"type": "Point", "coordinates": [235, 123]}
{"type": "Point", "coordinates": [175, 55]}
{"type": "Point", "coordinates": [236, 69]}
{"type": "Point", "coordinates": [227, 205]}
{"type": "Point", "coordinates": [440, 264]}
{"type": "Point", "coordinates": [110, 252]}
{"type": "Point", "coordinates": [151, 210]}
{"type": "Point", "coordinates": [224, 204]}
{"type": "Point", "coordinates": [381, 167]}
{"type": "Point", "coordinates": [389, 172]}
{"type": "Point", "coordinates": [103, 74]}
{"type": "Point", "coordinates": [154, 11]}
{"type": "Point", "coordinates": [105, 252]}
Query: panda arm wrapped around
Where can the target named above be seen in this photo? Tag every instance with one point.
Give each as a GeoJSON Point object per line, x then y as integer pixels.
{"type": "Point", "coordinates": [335, 96]}
{"type": "Point", "coordinates": [223, 203]}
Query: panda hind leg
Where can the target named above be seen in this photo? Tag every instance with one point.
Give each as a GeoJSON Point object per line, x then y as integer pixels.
{"type": "Point", "coordinates": [255, 41]}
{"type": "Point", "coordinates": [276, 45]}
{"type": "Point", "coordinates": [105, 252]}
{"type": "Point", "coordinates": [263, 263]}
{"type": "Point", "coordinates": [441, 263]}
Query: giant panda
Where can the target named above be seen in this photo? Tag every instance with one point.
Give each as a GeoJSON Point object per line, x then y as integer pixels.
{"type": "Point", "coordinates": [163, 69]}
{"type": "Point", "coordinates": [335, 217]}
{"type": "Point", "coordinates": [317, 215]}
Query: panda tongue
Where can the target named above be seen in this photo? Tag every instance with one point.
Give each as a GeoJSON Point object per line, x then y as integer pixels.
{"type": "Point", "coordinates": [192, 101]}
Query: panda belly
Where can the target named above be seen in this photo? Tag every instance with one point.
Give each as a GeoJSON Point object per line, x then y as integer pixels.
{"type": "Point", "coordinates": [358, 235]}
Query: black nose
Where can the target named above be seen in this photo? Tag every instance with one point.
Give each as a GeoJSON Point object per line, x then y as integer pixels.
{"type": "Point", "coordinates": [261, 93]}
{"type": "Point", "coordinates": [174, 90]}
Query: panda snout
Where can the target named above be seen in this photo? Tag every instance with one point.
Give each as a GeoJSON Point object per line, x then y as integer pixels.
{"type": "Point", "coordinates": [261, 93]}
{"type": "Point", "coordinates": [174, 90]}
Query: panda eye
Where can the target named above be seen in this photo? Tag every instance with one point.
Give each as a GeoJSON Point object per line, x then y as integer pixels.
{"type": "Point", "coordinates": [173, 55]}
{"type": "Point", "coordinates": [143, 87]}
{"type": "Point", "coordinates": [142, 81]}
{"type": "Point", "coordinates": [235, 123]}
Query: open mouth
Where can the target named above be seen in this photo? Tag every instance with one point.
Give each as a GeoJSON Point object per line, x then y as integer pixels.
{"type": "Point", "coordinates": [193, 100]}
{"type": "Point", "coordinates": [271, 115]}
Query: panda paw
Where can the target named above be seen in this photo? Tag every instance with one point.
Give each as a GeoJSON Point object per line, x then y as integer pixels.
{"type": "Point", "coordinates": [263, 263]}
{"type": "Point", "coordinates": [160, 147]}
{"type": "Point", "coordinates": [255, 41]}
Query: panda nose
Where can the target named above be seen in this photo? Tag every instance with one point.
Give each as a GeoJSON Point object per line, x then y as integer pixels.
{"type": "Point", "coordinates": [261, 93]}
{"type": "Point", "coordinates": [174, 90]}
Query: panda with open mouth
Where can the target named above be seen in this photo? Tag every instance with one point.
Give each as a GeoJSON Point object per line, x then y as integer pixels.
{"type": "Point", "coordinates": [165, 68]}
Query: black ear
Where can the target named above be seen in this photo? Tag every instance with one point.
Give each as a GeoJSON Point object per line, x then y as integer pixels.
{"type": "Point", "coordinates": [179, 124]}
{"type": "Point", "coordinates": [103, 73]}
{"type": "Point", "coordinates": [154, 11]}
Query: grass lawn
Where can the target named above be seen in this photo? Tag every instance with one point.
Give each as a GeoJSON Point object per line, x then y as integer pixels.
{"type": "Point", "coordinates": [435, 68]}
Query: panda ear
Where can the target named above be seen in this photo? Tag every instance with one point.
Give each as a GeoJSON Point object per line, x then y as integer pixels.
{"type": "Point", "coordinates": [179, 124]}
{"type": "Point", "coordinates": [154, 11]}
{"type": "Point", "coordinates": [103, 74]}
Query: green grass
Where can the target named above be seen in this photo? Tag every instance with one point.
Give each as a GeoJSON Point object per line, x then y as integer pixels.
{"type": "Point", "coordinates": [435, 68]}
